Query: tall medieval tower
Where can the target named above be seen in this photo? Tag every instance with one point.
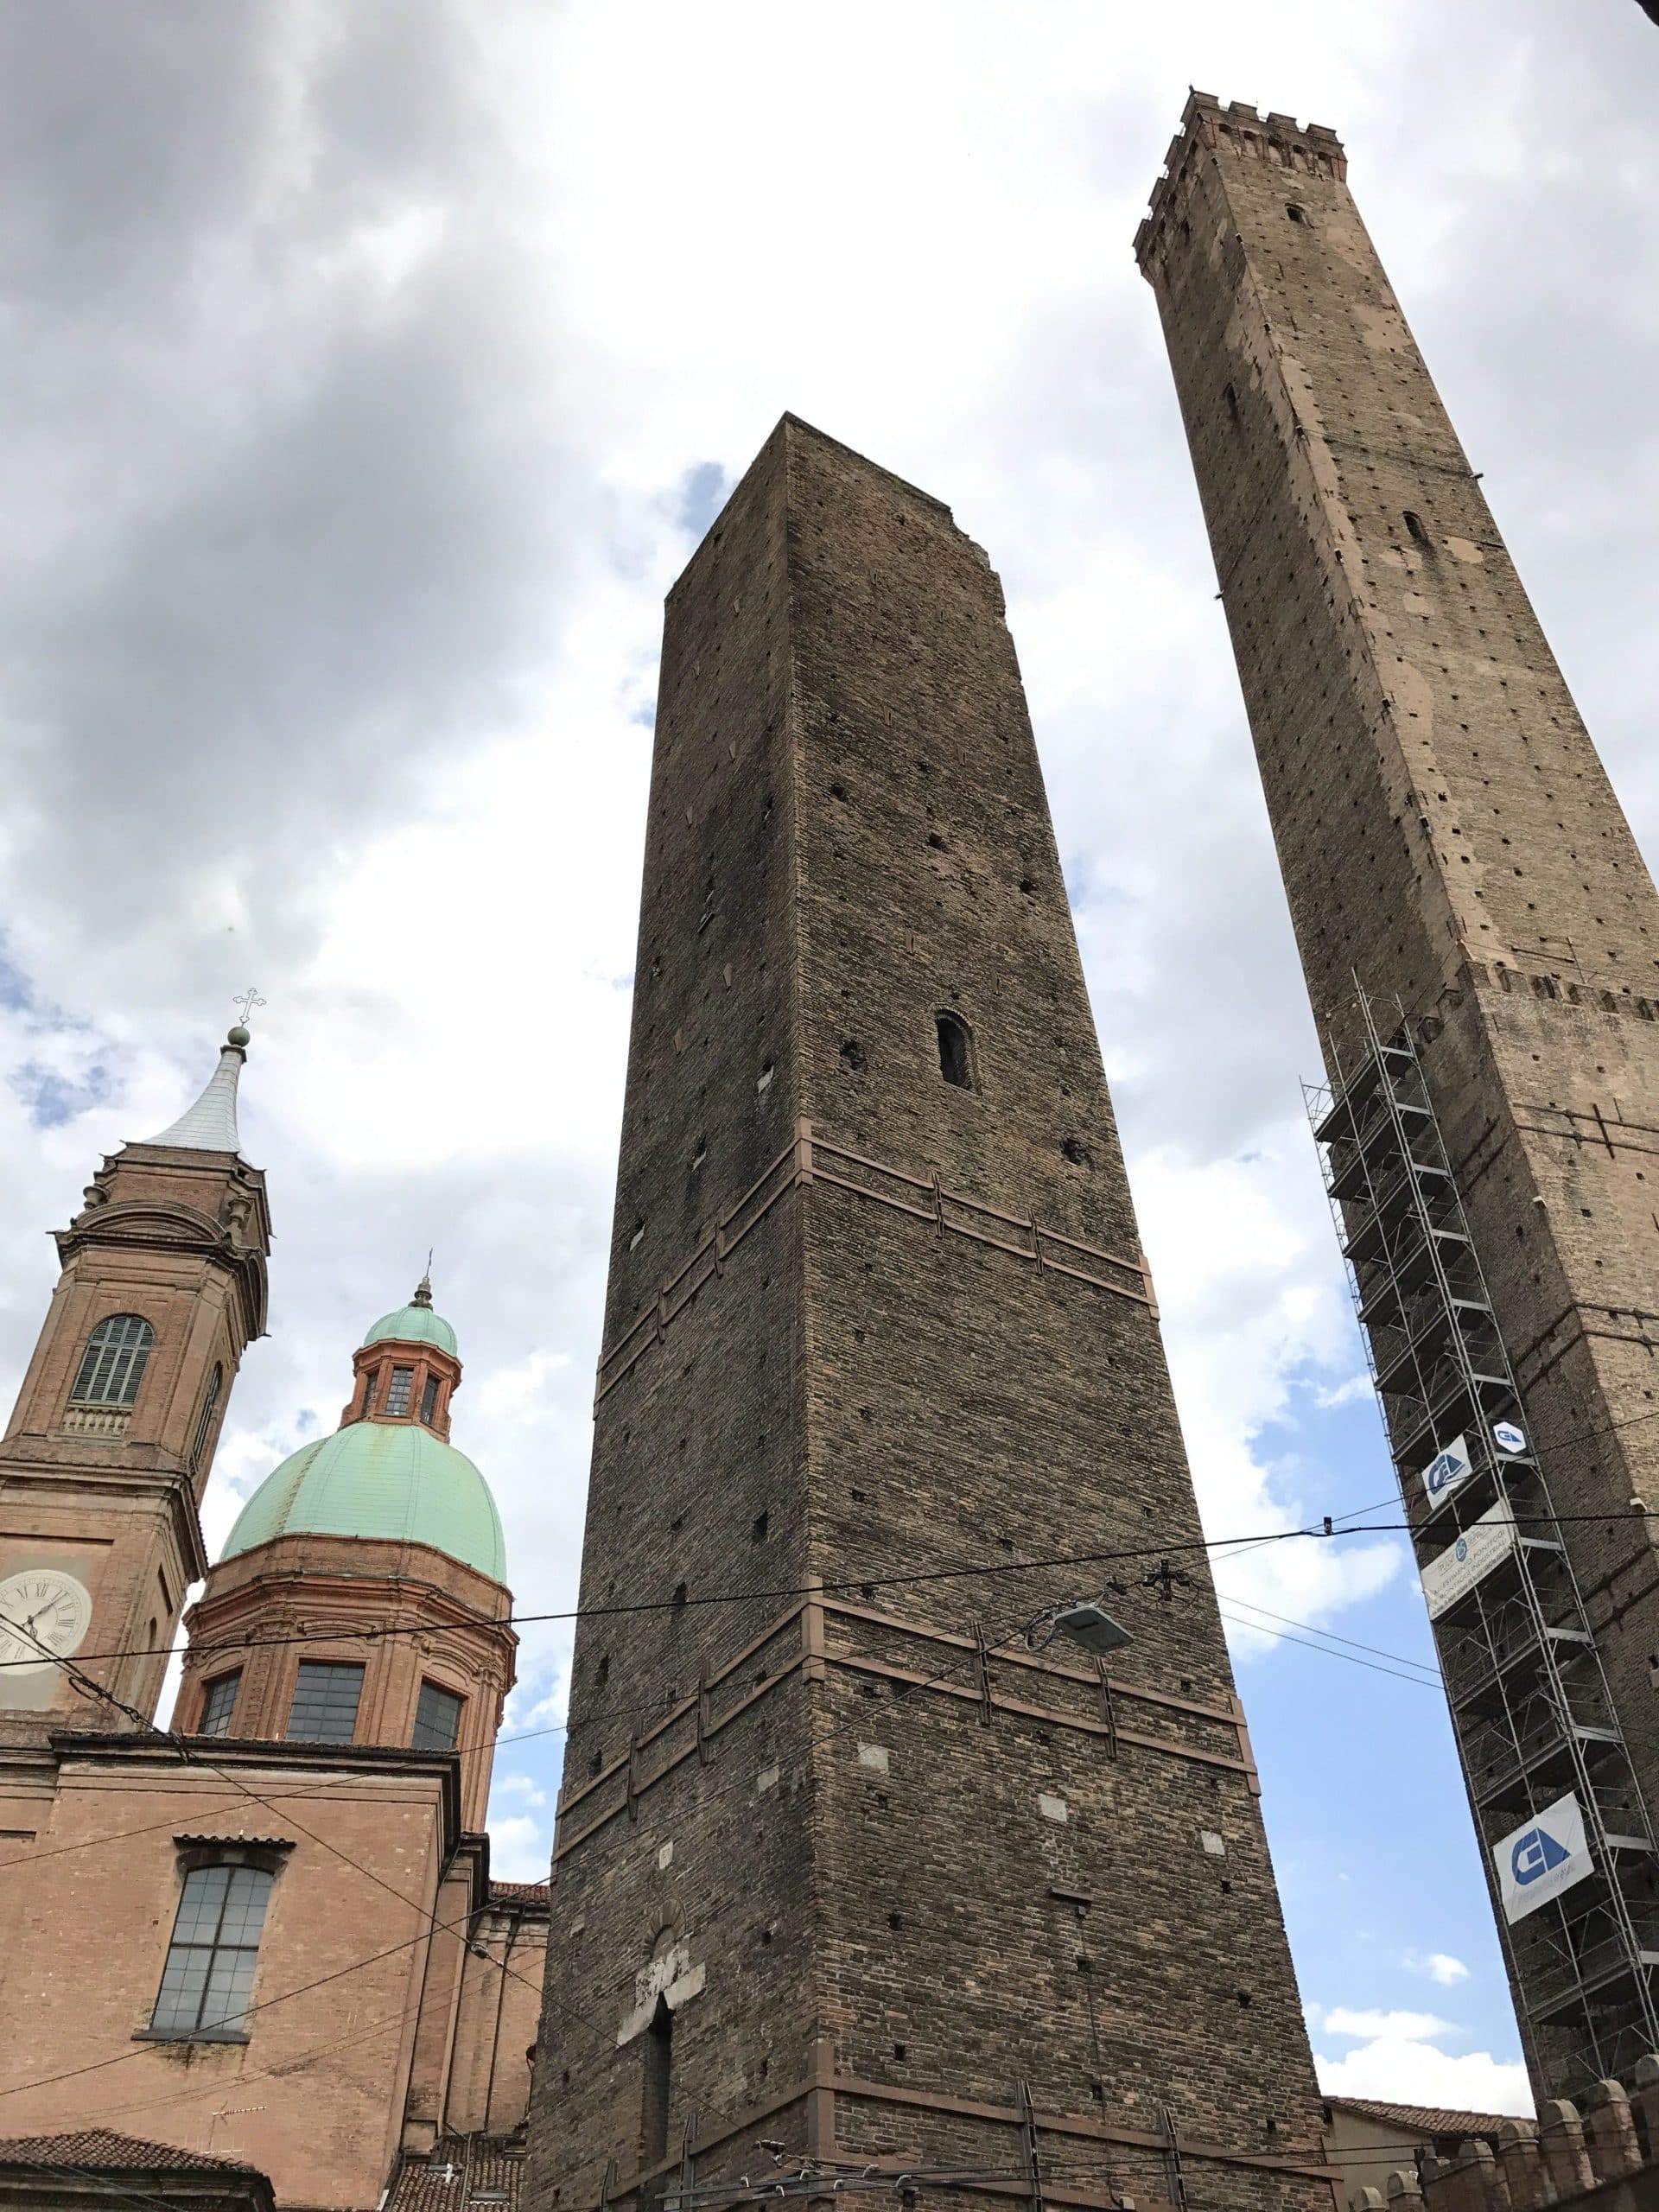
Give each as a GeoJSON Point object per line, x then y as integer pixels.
{"type": "Point", "coordinates": [103, 1467]}
{"type": "Point", "coordinates": [1481, 943]}
{"type": "Point", "coordinates": [851, 1869]}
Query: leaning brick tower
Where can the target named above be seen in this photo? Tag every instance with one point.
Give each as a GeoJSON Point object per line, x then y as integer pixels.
{"type": "Point", "coordinates": [1480, 939]}
{"type": "Point", "coordinates": [849, 1879]}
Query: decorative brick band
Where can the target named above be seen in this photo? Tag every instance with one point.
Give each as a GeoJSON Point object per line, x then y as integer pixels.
{"type": "Point", "coordinates": [1095, 1702]}
{"type": "Point", "coordinates": [809, 1157]}
{"type": "Point", "coordinates": [823, 2088]}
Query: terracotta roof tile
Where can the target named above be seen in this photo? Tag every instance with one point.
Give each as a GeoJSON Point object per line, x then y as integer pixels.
{"type": "Point", "coordinates": [1425, 2119]}
{"type": "Point", "coordinates": [463, 2174]}
{"type": "Point", "coordinates": [519, 1892]}
{"type": "Point", "coordinates": [101, 2148]}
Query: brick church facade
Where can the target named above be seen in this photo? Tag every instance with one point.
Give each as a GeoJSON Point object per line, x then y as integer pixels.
{"type": "Point", "coordinates": [269, 1933]}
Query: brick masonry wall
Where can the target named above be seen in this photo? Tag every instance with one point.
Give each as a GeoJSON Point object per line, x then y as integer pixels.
{"type": "Point", "coordinates": [315, 2095]}
{"type": "Point", "coordinates": [846, 1893]}
{"type": "Point", "coordinates": [1445, 830]}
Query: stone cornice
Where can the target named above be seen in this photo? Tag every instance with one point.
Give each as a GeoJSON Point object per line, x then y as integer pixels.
{"type": "Point", "coordinates": [224, 1755]}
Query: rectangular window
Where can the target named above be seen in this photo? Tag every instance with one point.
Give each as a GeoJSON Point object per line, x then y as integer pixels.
{"type": "Point", "coordinates": [219, 1706]}
{"type": "Point", "coordinates": [368, 1392]}
{"type": "Point", "coordinates": [204, 1419]}
{"type": "Point", "coordinates": [325, 1697]}
{"type": "Point", "coordinates": [437, 1719]}
{"type": "Point", "coordinates": [403, 1381]}
{"type": "Point", "coordinates": [209, 1972]}
{"type": "Point", "coordinates": [429, 1400]}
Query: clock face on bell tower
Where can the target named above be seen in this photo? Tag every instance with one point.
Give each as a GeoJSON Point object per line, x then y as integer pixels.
{"type": "Point", "coordinates": [44, 1616]}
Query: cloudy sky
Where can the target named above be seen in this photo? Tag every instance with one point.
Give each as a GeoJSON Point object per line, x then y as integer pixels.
{"type": "Point", "coordinates": [371, 370]}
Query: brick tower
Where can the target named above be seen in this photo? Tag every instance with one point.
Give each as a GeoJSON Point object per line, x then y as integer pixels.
{"type": "Point", "coordinates": [843, 1864]}
{"type": "Point", "coordinates": [1481, 941]}
{"type": "Point", "coordinates": [103, 1467]}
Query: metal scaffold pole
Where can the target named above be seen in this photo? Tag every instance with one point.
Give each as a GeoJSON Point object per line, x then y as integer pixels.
{"type": "Point", "coordinates": [1568, 1847]}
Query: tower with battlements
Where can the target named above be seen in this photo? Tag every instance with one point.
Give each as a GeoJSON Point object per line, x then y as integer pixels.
{"type": "Point", "coordinates": [862, 1864]}
{"type": "Point", "coordinates": [1480, 939]}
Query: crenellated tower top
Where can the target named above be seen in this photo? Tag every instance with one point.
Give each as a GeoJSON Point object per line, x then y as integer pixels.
{"type": "Point", "coordinates": [1311, 149]}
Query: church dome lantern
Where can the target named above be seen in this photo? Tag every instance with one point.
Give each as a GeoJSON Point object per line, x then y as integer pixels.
{"type": "Point", "coordinates": [361, 1596]}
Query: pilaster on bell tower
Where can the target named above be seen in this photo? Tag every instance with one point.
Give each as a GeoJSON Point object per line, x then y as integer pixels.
{"type": "Point", "coordinates": [104, 1461]}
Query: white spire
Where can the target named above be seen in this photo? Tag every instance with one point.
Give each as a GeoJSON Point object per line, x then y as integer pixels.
{"type": "Point", "coordinates": [210, 1124]}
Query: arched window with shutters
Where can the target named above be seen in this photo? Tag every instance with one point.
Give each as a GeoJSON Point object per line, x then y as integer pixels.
{"type": "Point", "coordinates": [205, 1418]}
{"type": "Point", "coordinates": [113, 1365]}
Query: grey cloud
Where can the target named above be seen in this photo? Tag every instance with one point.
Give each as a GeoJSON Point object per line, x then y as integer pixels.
{"type": "Point", "coordinates": [301, 537]}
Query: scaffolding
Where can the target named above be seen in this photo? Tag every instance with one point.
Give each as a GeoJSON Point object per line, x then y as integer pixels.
{"type": "Point", "coordinates": [1530, 1707]}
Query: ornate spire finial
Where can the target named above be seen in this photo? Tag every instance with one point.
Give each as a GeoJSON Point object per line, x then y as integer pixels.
{"type": "Point", "coordinates": [423, 1289]}
{"type": "Point", "coordinates": [247, 1001]}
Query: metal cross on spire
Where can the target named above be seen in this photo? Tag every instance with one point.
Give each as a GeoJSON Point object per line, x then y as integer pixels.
{"type": "Point", "coordinates": [247, 1001]}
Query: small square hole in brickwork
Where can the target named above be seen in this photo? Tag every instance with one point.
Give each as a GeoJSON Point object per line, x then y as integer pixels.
{"type": "Point", "coordinates": [895, 1920]}
{"type": "Point", "coordinates": [679, 1593]}
{"type": "Point", "coordinates": [901, 2050]}
{"type": "Point", "coordinates": [758, 1533]}
{"type": "Point", "coordinates": [852, 1057]}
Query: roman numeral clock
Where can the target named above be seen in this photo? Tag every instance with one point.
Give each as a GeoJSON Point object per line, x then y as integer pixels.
{"type": "Point", "coordinates": [44, 1616]}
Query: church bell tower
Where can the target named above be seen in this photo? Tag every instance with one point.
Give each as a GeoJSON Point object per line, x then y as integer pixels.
{"type": "Point", "coordinates": [104, 1465]}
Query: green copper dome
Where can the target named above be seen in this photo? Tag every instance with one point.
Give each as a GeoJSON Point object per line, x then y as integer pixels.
{"type": "Point", "coordinates": [413, 1325]}
{"type": "Point", "coordinates": [395, 1481]}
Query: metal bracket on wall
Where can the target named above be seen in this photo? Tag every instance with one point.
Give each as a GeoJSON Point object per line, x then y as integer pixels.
{"type": "Point", "coordinates": [1107, 1714]}
{"type": "Point", "coordinates": [688, 2163]}
{"type": "Point", "coordinates": [982, 1672]}
{"type": "Point", "coordinates": [705, 1747]}
{"type": "Point", "coordinates": [1032, 2147]}
{"type": "Point", "coordinates": [1173, 2159]}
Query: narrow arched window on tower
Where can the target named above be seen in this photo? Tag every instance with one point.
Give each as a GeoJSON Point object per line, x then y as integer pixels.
{"type": "Point", "coordinates": [1415, 525]}
{"type": "Point", "coordinates": [658, 2085]}
{"type": "Point", "coordinates": [956, 1050]}
{"type": "Point", "coordinates": [429, 1400]}
{"type": "Point", "coordinates": [113, 1365]}
{"type": "Point", "coordinates": [205, 1418]}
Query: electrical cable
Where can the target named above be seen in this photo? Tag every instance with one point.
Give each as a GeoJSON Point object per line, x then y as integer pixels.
{"type": "Point", "coordinates": [1283, 1635]}
{"type": "Point", "coordinates": [1375, 1650]}
{"type": "Point", "coordinates": [1239, 1545]}
{"type": "Point", "coordinates": [1235, 1547]}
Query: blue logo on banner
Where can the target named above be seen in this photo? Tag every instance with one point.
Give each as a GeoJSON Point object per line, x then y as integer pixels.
{"type": "Point", "coordinates": [1443, 1471]}
{"type": "Point", "coordinates": [1462, 1550]}
{"type": "Point", "coordinates": [1536, 1853]}
{"type": "Point", "coordinates": [1509, 1436]}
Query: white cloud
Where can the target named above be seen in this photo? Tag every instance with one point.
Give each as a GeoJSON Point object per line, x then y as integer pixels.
{"type": "Point", "coordinates": [518, 1848]}
{"type": "Point", "coordinates": [1438, 1966]}
{"type": "Point", "coordinates": [519, 1786]}
{"type": "Point", "coordinates": [1405, 2071]}
{"type": "Point", "coordinates": [1414, 2027]}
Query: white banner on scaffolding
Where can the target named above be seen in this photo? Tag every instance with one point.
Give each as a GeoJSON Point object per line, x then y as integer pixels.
{"type": "Point", "coordinates": [1446, 1471]}
{"type": "Point", "coordinates": [1547, 1854]}
{"type": "Point", "coordinates": [1473, 1556]}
